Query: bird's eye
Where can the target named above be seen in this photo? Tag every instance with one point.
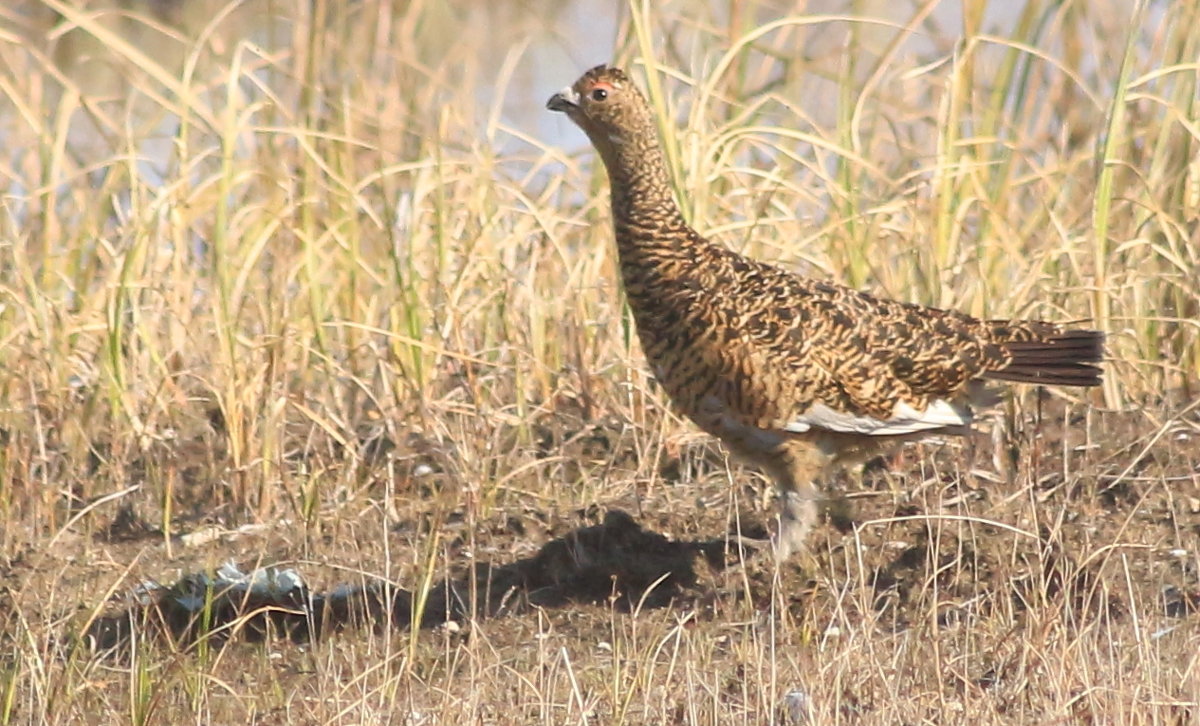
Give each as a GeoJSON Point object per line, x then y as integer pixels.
{"type": "Point", "coordinates": [599, 94]}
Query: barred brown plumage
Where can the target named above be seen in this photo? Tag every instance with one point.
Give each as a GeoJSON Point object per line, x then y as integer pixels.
{"type": "Point", "coordinates": [792, 374]}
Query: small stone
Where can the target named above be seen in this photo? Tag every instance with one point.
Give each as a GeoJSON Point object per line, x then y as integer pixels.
{"type": "Point", "coordinates": [796, 707]}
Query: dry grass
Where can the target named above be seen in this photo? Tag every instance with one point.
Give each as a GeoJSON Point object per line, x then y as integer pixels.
{"type": "Point", "coordinates": [334, 273]}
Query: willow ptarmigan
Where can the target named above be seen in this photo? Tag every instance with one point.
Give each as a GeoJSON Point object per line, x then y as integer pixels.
{"type": "Point", "coordinates": [792, 374]}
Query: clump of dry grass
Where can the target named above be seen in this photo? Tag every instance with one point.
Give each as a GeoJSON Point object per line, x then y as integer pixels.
{"type": "Point", "coordinates": [308, 270]}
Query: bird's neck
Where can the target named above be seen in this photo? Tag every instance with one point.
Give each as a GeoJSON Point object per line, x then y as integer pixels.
{"type": "Point", "coordinates": [646, 217]}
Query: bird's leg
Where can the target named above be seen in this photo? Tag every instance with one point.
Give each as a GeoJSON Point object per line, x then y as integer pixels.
{"type": "Point", "coordinates": [797, 514]}
{"type": "Point", "coordinates": [794, 473]}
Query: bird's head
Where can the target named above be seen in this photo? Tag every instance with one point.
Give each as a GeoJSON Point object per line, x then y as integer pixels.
{"type": "Point", "coordinates": [606, 105]}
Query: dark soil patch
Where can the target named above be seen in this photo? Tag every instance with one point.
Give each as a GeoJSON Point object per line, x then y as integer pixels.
{"type": "Point", "coordinates": [616, 561]}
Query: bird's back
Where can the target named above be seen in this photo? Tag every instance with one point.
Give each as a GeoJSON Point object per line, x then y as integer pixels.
{"type": "Point", "coordinates": [771, 347]}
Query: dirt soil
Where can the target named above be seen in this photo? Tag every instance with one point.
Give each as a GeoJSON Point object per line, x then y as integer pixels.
{"type": "Point", "coordinates": [999, 533]}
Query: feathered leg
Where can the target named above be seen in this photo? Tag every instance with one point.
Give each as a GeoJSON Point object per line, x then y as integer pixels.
{"type": "Point", "coordinates": [795, 469]}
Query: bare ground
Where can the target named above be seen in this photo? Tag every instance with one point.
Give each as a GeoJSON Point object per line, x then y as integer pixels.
{"type": "Point", "coordinates": [1046, 575]}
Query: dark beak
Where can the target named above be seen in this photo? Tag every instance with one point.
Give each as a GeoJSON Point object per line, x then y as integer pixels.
{"type": "Point", "coordinates": [564, 101]}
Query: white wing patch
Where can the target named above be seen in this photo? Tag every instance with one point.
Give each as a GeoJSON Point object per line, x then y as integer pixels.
{"type": "Point", "coordinates": [905, 420]}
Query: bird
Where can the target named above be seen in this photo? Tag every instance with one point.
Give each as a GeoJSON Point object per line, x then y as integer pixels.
{"type": "Point", "coordinates": [794, 375]}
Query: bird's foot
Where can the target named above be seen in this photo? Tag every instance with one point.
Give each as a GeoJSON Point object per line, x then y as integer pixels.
{"type": "Point", "coordinates": [797, 514]}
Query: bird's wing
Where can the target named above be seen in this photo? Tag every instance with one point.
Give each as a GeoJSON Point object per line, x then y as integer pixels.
{"type": "Point", "coordinates": [863, 395]}
{"type": "Point", "coordinates": [860, 365]}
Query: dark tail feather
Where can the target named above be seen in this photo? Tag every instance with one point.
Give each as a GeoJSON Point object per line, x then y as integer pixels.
{"type": "Point", "coordinates": [1063, 358]}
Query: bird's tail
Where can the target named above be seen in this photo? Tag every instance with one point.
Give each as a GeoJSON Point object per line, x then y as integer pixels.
{"type": "Point", "coordinates": [1054, 358]}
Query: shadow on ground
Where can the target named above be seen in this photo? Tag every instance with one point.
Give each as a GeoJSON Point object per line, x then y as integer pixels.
{"type": "Point", "coordinates": [616, 561]}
